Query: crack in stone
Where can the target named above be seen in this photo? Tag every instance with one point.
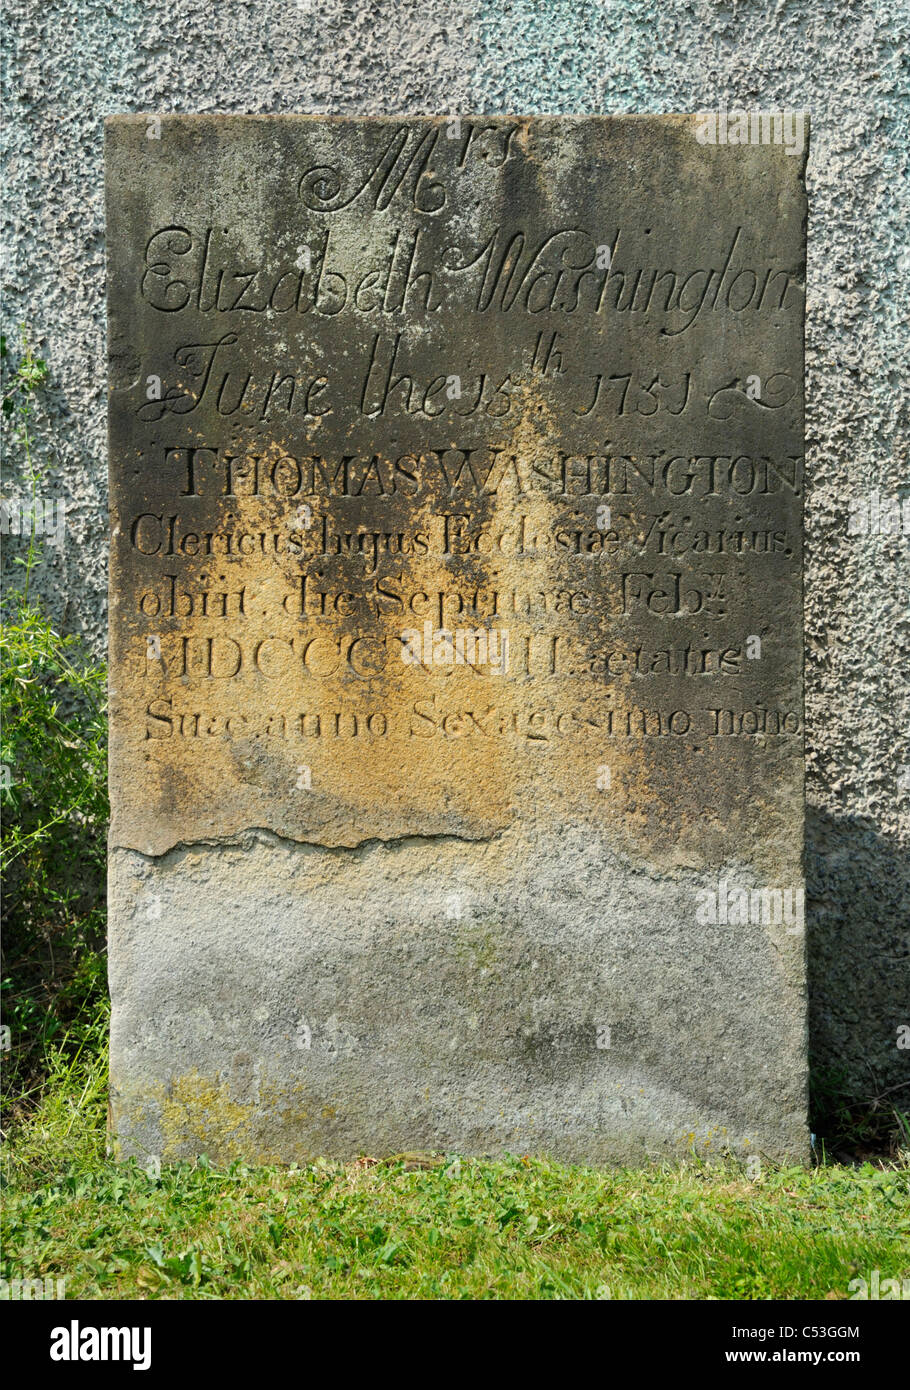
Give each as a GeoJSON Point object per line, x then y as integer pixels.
{"type": "Point", "coordinates": [245, 839]}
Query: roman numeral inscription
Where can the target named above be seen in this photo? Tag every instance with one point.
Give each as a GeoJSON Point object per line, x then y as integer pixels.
{"type": "Point", "coordinates": [456, 636]}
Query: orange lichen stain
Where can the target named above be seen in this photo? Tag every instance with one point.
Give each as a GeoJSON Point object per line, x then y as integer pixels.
{"type": "Point", "coordinates": [313, 725]}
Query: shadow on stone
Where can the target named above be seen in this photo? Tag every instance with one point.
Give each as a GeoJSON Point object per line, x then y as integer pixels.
{"type": "Point", "coordinates": [858, 923]}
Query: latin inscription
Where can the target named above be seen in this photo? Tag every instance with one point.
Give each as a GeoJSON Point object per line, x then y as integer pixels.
{"type": "Point", "coordinates": [443, 469]}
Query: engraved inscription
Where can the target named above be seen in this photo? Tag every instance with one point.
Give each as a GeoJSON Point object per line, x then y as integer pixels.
{"type": "Point", "coordinates": [452, 482]}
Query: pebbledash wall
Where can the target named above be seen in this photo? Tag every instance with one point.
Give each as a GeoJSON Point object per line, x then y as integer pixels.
{"type": "Point", "coordinates": [68, 65]}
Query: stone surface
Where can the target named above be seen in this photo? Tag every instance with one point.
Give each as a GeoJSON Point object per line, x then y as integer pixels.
{"type": "Point", "coordinates": [847, 66]}
{"type": "Point", "coordinates": [456, 488]}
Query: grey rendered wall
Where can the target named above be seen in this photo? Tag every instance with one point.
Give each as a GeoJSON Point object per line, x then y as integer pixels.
{"type": "Point", "coordinates": [68, 65]}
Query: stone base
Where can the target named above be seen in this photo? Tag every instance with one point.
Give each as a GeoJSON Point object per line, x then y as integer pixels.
{"type": "Point", "coordinates": [538, 996]}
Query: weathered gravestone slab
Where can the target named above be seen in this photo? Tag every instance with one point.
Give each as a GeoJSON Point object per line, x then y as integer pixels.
{"type": "Point", "coordinates": [456, 636]}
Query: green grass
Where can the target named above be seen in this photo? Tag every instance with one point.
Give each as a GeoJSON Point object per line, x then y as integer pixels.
{"type": "Point", "coordinates": [427, 1228]}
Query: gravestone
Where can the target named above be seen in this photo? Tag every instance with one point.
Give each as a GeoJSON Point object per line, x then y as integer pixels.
{"type": "Point", "coordinates": [456, 636]}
